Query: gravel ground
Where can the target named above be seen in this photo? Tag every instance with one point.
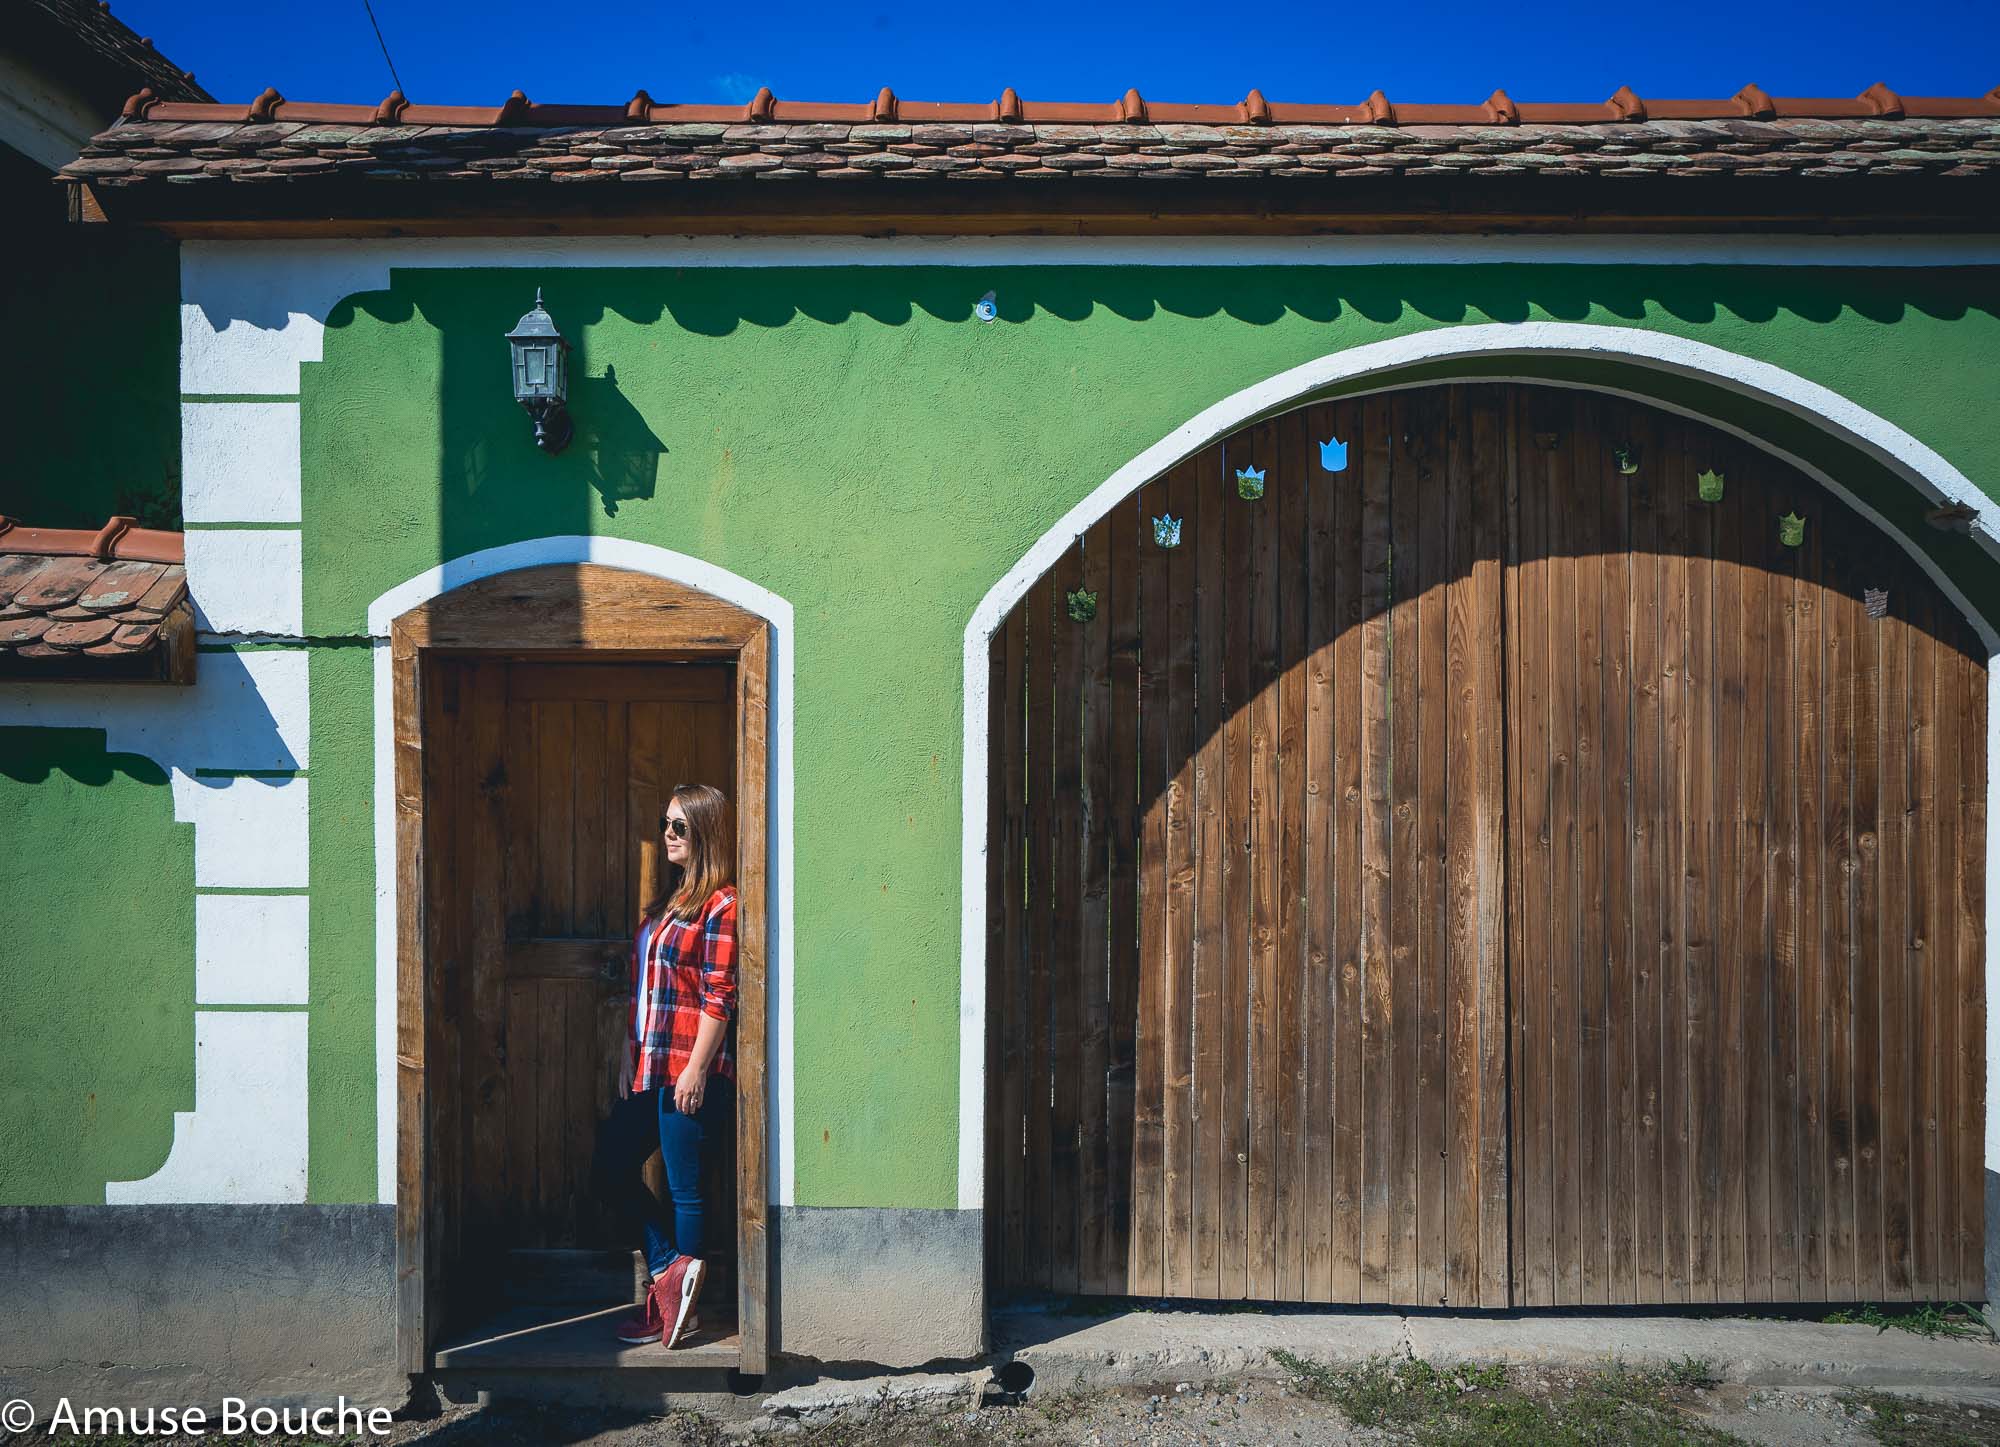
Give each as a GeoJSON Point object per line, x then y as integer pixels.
{"type": "Point", "coordinates": [1252, 1413]}
{"type": "Point", "coordinates": [1257, 1412]}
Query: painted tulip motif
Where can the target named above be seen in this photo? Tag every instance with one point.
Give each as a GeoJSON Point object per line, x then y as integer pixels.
{"type": "Point", "coordinates": [1082, 605]}
{"type": "Point", "coordinates": [1791, 530]}
{"type": "Point", "coordinates": [1710, 486]}
{"type": "Point", "coordinates": [1167, 531]}
{"type": "Point", "coordinates": [1250, 482]}
{"type": "Point", "coordinates": [1333, 455]}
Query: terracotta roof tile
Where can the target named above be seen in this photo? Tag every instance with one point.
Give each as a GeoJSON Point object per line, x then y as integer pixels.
{"type": "Point", "coordinates": [67, 612]}
{"type": "Point", "coordinates": [300, 143]}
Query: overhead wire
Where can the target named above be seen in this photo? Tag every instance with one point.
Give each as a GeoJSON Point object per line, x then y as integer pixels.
{"type": "Point", "coordinates": [384, 44]}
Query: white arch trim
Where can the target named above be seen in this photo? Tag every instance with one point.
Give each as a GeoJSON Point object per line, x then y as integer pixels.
{"type": "Point", "coordinates": [1903, 454]}
{"type": "Point", "coordinates": [633, 557]}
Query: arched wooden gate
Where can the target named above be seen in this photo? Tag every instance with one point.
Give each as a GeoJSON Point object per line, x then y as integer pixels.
{"type": "Point", "coordinates": [1489, 867]}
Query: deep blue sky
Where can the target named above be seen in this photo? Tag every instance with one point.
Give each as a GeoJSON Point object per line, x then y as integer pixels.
{"type": "Point", "coordinates": [457, 52]}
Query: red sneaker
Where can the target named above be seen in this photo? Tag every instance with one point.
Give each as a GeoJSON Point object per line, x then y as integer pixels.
{"type": "Point", "coordinates": [646, 1324]}
{"type": "Point", "coordinates": [683, 1284]}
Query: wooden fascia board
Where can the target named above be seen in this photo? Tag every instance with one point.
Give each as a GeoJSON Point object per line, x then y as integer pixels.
{"type": "Point", "coordinates": [1570, 205]}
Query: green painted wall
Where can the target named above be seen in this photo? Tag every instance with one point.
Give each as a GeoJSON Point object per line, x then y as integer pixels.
{"type": "Point", "coordinates": [854, 440]}
{"type": "Point", "coordinates": [97, 966]}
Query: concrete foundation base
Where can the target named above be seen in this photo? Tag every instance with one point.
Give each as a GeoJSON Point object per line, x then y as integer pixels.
{"type": "Point", "coordinates": [897, 1287]}
{"type": "Point", "coordinates": [1144, 1348]}
{"type": "Point", "coordinates": [136, 1306]}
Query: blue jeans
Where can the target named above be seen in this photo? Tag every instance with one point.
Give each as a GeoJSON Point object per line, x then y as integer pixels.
{"type": "Point", "coordinates": [627, 1136]}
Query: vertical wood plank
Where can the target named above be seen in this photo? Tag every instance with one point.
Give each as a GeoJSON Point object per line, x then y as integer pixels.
{"type": "Point", "coordinates": [1919, 865]}
{"type": "Point", "coordinates": [1530, 877]}
{"type": "Point", "coordinates": [1732, 779]}
{"type": "Point", "coordinates": [1568, 746]}
{"type": "Point", "coordinates": [1299, 462]}
{"type": "Point", "coordinates": [751, 750]}
{"type": "Point", "coordinates": [1367, 441]}
{"type": "Point", "coordinates": [1238, 978]}
{"type": "Point", "coordinates": [1895, 885]}
{"type": "Point", "coordinates": [1264, 866]}
{"type": "Point", "coordinates": [1683, 896]}
{"type": "Point", "coordinates": [1212, 945]}
{"type": "Point", "coordinates": [1869, 1232]}
{"type": "Point", "coordinates": [1951, 748]}
{"type": "Point", "coordinates": [1178, 642]}
{"type": "Point", "coordinates": [1013, 765]}
{"type": "Point", "coordinates": [420, 1302]}
{"type": "Point", "coordinates": [1122, 725]}
{"type": "Point", "coordinates": [1090, 961]}
{"type": "Point", "coordinates": [555, 818]}
{"type": "Point", "coordinates": [1813, 924]}
{"type": "Point", "coordinates": [1589, 651]}
{"type": "Point", "coordinates": [1700, 917]}
{"type": "Point", "coordinates": [1316, 826]}
{"type": "Point", "coordinates": [1160, 972]}
{"type": "Point", "coordinates": [1068, 642]}
{"type": "Point", "coordinates": [1609, 428]}
{"type": "Point", "coordinates": [1653, 853]}
{"type": "Point", "coordinates": [1040, 605]}
{"type": "Point", "coordinates": [1970, 1183]}
{"type": "Point", "coordinates": [1775, 650]}
{"type": "Point", "coordinates": [1439, 430]}
{"type": "Point", "coordinates": [486, 1072]}
{"type": "Point", "coordinates": [1380, 1088]}
{"type": "Point", "coordinates": [1841, 863]}
{"type": "Point", "coordinates": [1486, 499]}
{"type": "Point", "coordinates": [589, 805]}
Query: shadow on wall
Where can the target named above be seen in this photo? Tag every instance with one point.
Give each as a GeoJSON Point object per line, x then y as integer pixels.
{"type": "Point", "coordinates": [715, 301]}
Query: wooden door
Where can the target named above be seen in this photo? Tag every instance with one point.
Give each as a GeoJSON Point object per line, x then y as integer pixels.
{"type": "Point", "coordinates": [1480, 870]}
{"type": "Point", "coordinates": [1748, 792]}
{"type": "Point", "coordinates": [564, 769]}
{"type": "Point", "coordinates": [1247, 1010]}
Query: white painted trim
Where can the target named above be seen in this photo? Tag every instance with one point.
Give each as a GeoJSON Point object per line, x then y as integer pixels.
{"type": "Point", "coordinates": [655, 562]}
{"type": "Point", "coordinates": [240, 462]}
{"type": "Point", "coordinates": [245, 1139]}
{"type": "Point", "coordinates": [1904, 455]}
{"type": "Point", "coordinates": [385, 921]}
{"type": "Point", "coordinates": [251, 949]}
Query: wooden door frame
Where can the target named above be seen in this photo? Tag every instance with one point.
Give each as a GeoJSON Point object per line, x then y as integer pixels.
{"type": "Point", "coordinates": [598, 613]}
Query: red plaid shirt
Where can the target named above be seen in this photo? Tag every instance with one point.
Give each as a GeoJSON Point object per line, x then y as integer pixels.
{"type": "Point", "coordinates": [685, 969]}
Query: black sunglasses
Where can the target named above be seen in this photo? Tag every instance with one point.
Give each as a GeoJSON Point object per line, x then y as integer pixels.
{"type": "Point", "coordinates": [676, 827]}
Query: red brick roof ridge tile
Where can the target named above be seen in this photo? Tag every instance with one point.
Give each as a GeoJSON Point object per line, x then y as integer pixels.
{"type": "Point", "coordinates": [1879, 100]}
{"type": "Point", "coordinates": [890, 140]}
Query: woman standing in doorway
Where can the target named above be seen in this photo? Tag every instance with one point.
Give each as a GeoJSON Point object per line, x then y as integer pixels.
{"type": "Point", "coordinates": [680, 1058]}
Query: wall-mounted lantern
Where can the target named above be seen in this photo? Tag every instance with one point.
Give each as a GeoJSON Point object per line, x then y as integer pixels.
{"type": "Point", "coordinates": [541, 376]}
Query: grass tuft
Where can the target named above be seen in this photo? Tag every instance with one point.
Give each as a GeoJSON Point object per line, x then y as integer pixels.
{"type": "Point", "coordinates": [1925, 1319]}
{"type": "Point", "coordinates": [1697, 1373]}
{"type": "Point", "coordinates": [1463, 1405]}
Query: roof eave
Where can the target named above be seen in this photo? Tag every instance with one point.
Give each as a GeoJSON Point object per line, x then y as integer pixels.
{"type": "Point", "coordinates": [216, 209]}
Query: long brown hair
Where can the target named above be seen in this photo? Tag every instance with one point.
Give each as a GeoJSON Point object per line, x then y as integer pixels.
{"type": "Point", "coordinates": [711, 852]}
